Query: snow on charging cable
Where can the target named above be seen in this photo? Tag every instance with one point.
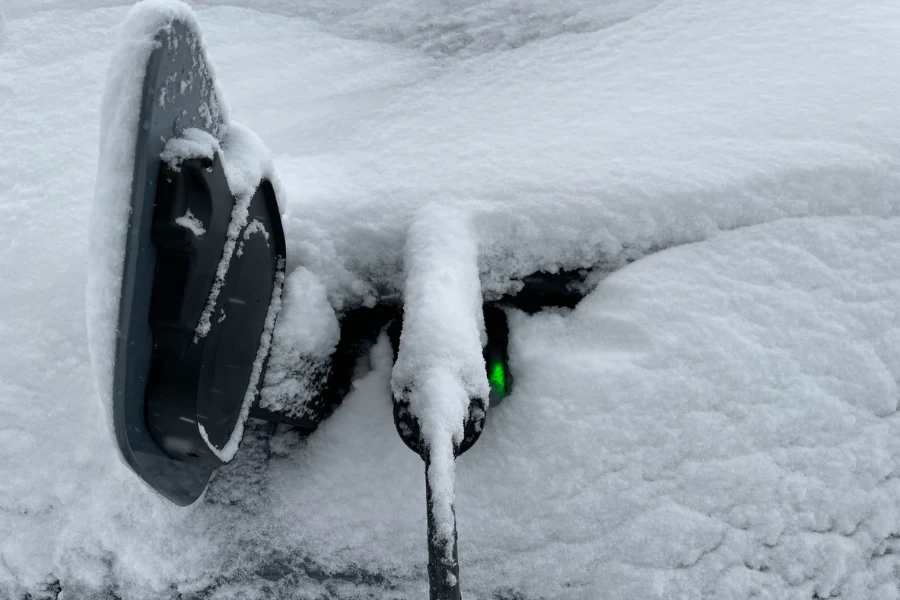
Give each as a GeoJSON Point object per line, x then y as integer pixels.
{"type": "Point", "coordinates": [443, 324]}
{"type": "Point", "coordinates": [440, 366]}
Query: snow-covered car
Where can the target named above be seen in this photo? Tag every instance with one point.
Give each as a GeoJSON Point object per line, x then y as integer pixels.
{"type": "Point", "coordinates": [674, 223]}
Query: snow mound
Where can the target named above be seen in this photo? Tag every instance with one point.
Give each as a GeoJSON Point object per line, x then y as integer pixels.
{"type": "Point", "coordinates": [307, 334]}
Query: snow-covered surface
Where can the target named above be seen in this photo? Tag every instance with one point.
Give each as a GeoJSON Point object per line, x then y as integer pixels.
{"type": "Point", "coordinates": [443, 327]}
{"type": "Point", "coordinates": [715, 420]}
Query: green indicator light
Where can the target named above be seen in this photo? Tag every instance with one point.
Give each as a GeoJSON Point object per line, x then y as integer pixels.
{"type": "Point", "coordinates": [497, 377]}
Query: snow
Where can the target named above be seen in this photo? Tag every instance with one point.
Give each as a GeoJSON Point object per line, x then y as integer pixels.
{"type": "Point", "coordinates": [253, 226]}
{"type": "Point", "coordinates": [191, 223]}
{"type": "Point", "coordinates": [193, 143]}
{"type": "Point", "coordinates": [307, 334]}
{"type": "Point", "coordinates": [696, 424]}
{"type": "Point", "coordinates": [717, 419]}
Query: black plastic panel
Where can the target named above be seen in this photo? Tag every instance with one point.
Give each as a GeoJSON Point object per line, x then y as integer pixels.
{"type": "Point", "coordinates": [201, 380]}
{"type": "Point", "coordinates": [174, 283]}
